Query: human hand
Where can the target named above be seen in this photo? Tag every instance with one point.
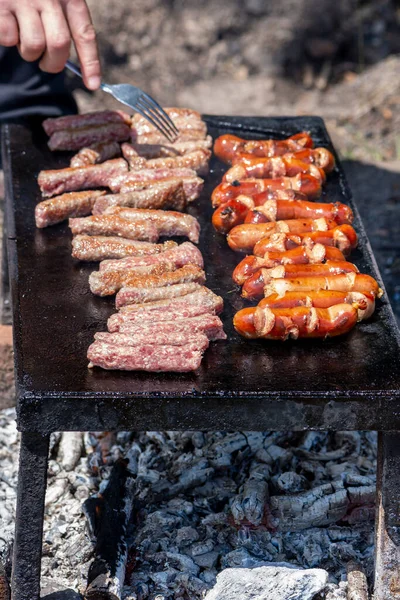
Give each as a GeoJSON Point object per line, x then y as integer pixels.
{"type": "Point", "coordinates": [44, 29]}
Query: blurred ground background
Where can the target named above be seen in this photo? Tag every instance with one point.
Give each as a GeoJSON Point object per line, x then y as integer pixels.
{"type": "Point", "coordinates": [339, 60]}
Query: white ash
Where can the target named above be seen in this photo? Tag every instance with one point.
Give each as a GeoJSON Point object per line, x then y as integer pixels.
{"type": "Point", "coordinates": [207, 502]}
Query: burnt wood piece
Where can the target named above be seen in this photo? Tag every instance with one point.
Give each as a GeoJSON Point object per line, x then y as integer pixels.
{"type": "Point", "coordinates": [32, 478]}
{"type": "Point", "coordinates": [387, 541]}
{"type": "Point", "coordinates": [113, 511]}
{"type": "Point", "coordinates": [357, 586]}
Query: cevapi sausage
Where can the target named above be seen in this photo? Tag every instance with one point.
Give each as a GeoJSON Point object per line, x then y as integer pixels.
{"type": "Point", "coordinates": [348, 282]}
{"type": "Point", "coordinates": [253, 287]}
{"type": "Point", "coordinates": [234, 211]}
{"type": "Point", "coordinates": [298, 322]}
{"type": "Point", "coordinates": [342, 237]}
{"type": "Point", "coordinates": [322, 299]}
{"type": "Point", "coordinates": [226, 147]}
{"type": "Point", "coordinates": [304, 183]}
{"type": "Point", "coordinates": [276, 210]}
{"type": "Point", "coordinates": [243, 238]}
{"type": "Point", "coordinates": [310, 254]}
{"type": "Point", "coordinates": [279, 166]}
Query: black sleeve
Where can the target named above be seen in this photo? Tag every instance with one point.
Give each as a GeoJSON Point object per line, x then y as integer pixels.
{"type": "Point", "coordinates": [26, 90]}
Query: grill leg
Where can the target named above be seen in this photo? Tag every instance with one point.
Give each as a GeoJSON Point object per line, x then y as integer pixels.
{"type": "Point", "coordinates": [387, 549]}
{"type": "Point", "coordinates": [25, 581]}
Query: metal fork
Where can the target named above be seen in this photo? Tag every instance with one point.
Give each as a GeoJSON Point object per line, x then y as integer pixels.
{"type": "Point", "coordinates": [141, 102]}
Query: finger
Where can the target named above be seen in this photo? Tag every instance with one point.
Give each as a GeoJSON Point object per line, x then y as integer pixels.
{"type": "Point", "coordinates": [9, 35]}
{"type": "Point", "coordinates": [58, 40]}
{"type": "Point", "coordinates": [84, 36]}
{"type": "Point", "coordinates": [31, 34]}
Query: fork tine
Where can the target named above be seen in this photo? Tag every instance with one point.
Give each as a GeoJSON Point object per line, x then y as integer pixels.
{"type": "Point", "coordinates": [152, 121]}
{"type": "Point", "coordinates": [158, 117]}
{"type": "Point", "coordinates": [156, 121]}
{"type": "Point", "coordinates": [160, 111]}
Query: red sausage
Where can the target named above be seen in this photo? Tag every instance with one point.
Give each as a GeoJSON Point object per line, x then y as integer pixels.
{"type": "Point", "coordinates": [276, 210]}
{"type": "Point", "coordinates": [234, 211]}
{"type": "Point", "coordinates": [310, 254]}
{"type": "Point", "coordinates": [278, 166]}
{"type": "Point", "coordinates": [299, 322]}
{"type": "Point", "coordinates": [321, 299]}
{"type": "Point", "coordinates": [304, 183]}
{"type": "Point", "coordinates": [243, 238]}
{"type": "Point", "coordinates": [253, 287]}
{"type": "Point", "coordinates": [226, 147]}
{"type": "Point", "coordinates": [342, 237]}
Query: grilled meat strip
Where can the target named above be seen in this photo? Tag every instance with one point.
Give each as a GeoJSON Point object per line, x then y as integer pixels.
{"type": "Point", "coordinates": [161, 195]}
{"type": "Point", "coordinates": [168, 223]}
{"type": "Point", "coordinates": [106, 283]}
{"type": "Point", "coordinates": [127, 299]}
{"type": "Point", "coordinates": [165, 149]}
{"type": "Point", "coordinates": [155, 137]}
{"type": "Point", "coordinates": [127, 182]}
{"type": "Point", "coordinates": [189, 122]}
{"type": "Point", "coordinates": [196, 160]}
{"type": "Point", "coordinates": [113, 225]}
{"type": "Point", "coordinates": [160, 294]}
{"type": "Point", "coordinates": [75, 139]}
{"type": "Point", "coordinates": [81, 178]}
{"type": "Point", "coordinates": [148, 357]}
{"type": "Point", "coordinates": [141, 318]}
{"type": "Point", "coordinates": [59, 208]}
{"type": "Point", "coordinates": [97, 248]}
{"type": "Point", "coordinates": [198, 340]}
{"type": "Point", "coordinates": [97, 153]}
{"type": "Point", "coordinates": [179, 255]}
{"type": "Point", "coordinates": [210, 325]}
{"type": "Point", "coordinates": [78, 121]}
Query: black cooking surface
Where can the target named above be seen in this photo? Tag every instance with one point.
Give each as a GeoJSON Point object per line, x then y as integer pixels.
{"type": "Point", "coordinates": [241, 384]}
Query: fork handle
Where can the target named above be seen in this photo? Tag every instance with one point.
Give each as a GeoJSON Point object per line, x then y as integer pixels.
{"type": "Point", "coordinates": [74, 68]}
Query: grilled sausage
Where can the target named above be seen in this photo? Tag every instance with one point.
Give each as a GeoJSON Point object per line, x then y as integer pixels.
{"type": "Point", "coordinates": [310, 254]}
{"type": "Point", "coordinates": [250, 166]}
{"type": "Point", "coordinates": [253, 287]}
{"type": "Point", "coordinates": [342, 237]}
{"type": "Point", "coordinates": [276, 210]}
{"type": "Point", "coordinates": [304, 183]}
{"type": "Point", "coordinates": [322, 299]}
{"type": "Point", "coordinates": [234, 211]}
{"type": "Point", "coordinates": [299, 322]}
{"type": "Point", "coordinates": [243, 238]}
{"type": "Point", "coordinates": [348, 282]}
{"type": "Point", "coordinates": [226, 147]}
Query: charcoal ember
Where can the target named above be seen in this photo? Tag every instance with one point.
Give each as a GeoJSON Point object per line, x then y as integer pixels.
{"type": "Point", "coordinates": [335, 592]}
{"type": "Point", "coordinates": [56, 489]}
{"type": "Point", "coordinates": [291, 482]}
{"type": "Point", "coordinates": [208, 560]}
{"type": "Point", "coordinates": [269, 583]}
{"type": "Point", "coordinates": [323, 505]}
{"type": "Point", "coordinates": [250, 503]}
{"type": "Point", "coordinates": [185, 536]}
{"type": "Point", "coordinates": [210, 471]}
{"type": "Point", "coordinates": [240, 558]}
{"type": "Point", "coordinates": [255, 439]}
{"type": "Point", "coordinates": [70, 449]}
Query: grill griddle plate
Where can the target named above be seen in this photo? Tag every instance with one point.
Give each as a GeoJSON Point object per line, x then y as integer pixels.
{"type": "Point", "coordinates": [350, 382]}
